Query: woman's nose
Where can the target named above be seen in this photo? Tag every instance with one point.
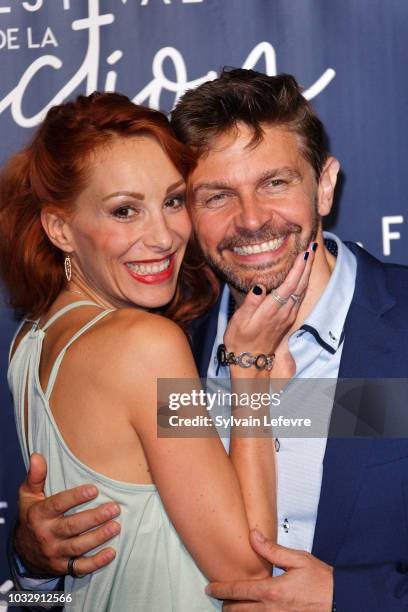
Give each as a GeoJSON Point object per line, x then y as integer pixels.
{"type": "Point", "coordinates": [159, 236]}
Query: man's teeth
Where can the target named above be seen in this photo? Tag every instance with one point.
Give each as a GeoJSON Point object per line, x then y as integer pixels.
{"type": "Point", "coordinates": [271, 245]}
{"type": "Point", "coordinates": [144, 269]}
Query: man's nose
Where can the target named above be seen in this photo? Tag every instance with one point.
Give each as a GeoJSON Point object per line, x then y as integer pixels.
{"type": "Point", "coordinates": [251, 214]}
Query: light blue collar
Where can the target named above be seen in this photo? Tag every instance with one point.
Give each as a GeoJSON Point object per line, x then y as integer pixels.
{"type": "Point", "coordinates": [329, 314]}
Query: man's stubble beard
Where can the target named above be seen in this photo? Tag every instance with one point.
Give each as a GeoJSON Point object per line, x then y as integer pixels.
{"type": "Point", "coordinates": [262, 274]}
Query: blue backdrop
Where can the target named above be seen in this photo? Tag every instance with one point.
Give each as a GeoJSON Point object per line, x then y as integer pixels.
{"type": "Point", "coordinates": [350, 55]}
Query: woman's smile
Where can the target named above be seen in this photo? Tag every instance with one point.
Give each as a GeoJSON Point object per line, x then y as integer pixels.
{"type": "Point", "coordinates": [153, 271]}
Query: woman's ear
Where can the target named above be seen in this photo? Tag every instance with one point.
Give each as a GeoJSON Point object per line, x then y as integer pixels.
{"type": "Point", "coordinates": [327, 183]}
{"type": "Point", "coordinates": [57, 229]}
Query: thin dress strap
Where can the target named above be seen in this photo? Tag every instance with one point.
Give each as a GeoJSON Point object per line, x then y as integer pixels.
{"type": "Point", "coordinates": [55, 316]}
{"type": "Point", "coordinates": [65, 309]}
{"type": "Point", "coordinates": [57, 362]}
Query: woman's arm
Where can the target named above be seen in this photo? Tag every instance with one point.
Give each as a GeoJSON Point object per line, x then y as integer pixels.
{"type": "Point", "coordinates": [197, 482]}
{"type": "Point", "coordinates": [258, 326]}
{"type": "Point", "coordinates": [212, 501]}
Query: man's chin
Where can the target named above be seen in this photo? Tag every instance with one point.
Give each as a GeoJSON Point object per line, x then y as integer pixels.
{"type": "Point", "coordinates": [244, 283]}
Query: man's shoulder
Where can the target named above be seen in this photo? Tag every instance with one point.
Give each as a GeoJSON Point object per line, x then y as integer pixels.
{"type": "Point", "coordinates": [380, 299]}
{"type": "Point", "coordinates": [395, 275]}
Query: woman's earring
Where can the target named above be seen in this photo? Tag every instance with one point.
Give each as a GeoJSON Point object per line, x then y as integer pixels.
{"type": "Point", "coordinates": [68, 267]}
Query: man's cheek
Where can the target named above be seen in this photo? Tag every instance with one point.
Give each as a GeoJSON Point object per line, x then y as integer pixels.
{"type": "Point", "coordinates": [201, 230]}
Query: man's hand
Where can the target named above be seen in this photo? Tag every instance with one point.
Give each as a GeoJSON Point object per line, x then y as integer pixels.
{"type": "Point", "coordinates": [306, 586]}
{"type": "Point", "coordinates": [46, 539]}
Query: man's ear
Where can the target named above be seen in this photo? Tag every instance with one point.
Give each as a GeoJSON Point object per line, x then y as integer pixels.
{"type": "Point", "coordinates": [327, 183]}
{"type": "Point", "coordinates": [57, 229]}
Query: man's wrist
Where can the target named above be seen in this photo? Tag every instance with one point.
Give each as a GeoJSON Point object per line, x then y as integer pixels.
{"type": "Point", "coordinates": [23, 571]}
{"type": "Point", "coordinates": [20, 566]}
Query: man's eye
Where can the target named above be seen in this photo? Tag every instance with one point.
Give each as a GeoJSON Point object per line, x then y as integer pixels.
{"type": "Point", "coordinates": [124, 212]}
{"type": "Point", "coordinates": [175, 202]}
{"type": "Point", "coordinates": [216, 198]}
{"type": "Point", "coordinates": [276, 182]}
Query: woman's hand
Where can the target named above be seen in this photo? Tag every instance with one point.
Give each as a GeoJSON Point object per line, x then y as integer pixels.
{"type": "Point", "coordinates": [262, 320]}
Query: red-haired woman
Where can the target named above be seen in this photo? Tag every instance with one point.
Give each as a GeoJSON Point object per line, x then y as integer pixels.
{"type": "Point", "coordinates": [94, 231]}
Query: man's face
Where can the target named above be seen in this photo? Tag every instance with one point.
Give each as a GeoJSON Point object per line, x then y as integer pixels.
{"type": "Point", "coordinates": [254, 207]}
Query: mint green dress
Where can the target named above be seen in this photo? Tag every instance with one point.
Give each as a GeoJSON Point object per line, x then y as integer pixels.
{"type": "Point", "coordinates": [153, 571]}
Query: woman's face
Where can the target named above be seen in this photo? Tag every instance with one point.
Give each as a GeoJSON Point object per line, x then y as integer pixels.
{"type": "Point", "coordinates": [130, 227]}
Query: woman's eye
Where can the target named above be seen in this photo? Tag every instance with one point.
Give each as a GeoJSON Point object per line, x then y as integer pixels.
{"type": "Point", "coordinates": [175, 202]}
{"type": "Point", "coordinates": [124, 212]}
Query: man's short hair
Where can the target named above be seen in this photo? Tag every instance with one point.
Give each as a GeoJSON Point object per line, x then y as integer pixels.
{"type": "Point", "coordinates": [255, 99]}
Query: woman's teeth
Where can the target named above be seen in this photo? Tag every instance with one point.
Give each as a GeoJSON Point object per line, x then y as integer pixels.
{"type": "Point", "coordinates": [271, 245]}
{"type": "Point", "coordinates": [145, 269]}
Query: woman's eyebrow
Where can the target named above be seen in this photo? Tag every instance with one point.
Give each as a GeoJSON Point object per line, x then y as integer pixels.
{"type": "Point", "coordinates": [132, 194]}
{"type": "Point", "coordinates": [174, 186]}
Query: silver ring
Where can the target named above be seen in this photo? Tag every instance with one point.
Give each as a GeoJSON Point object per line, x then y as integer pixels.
{"type": "Point", "coordinates": [278, 298]}
{"type": "Point", "coordinates": [71, 567]}
{"type": "Point", "coordinates": [295, 297]}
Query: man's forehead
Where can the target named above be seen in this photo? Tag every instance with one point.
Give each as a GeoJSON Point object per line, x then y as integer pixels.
{"type": "Point", "coordinates": [232, 153]}
{"type": "Point", "coordinates": [243, 140]}
{"type": "Point", "coordinates": [248, 136]}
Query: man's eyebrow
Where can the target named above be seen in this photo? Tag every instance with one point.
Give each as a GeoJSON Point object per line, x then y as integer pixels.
{"type": "Point", "coordinates": [284, 172]}
{"type": "Point", "coordinates": [132, 194]}
{"type": "Point", "coordinates": [212, 186]}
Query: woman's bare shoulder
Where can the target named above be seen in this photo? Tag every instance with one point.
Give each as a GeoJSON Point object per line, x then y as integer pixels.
{"type": "Point", "coordinates": [156, 344]}
{"type": "Point", "coordinates": [145, 327]}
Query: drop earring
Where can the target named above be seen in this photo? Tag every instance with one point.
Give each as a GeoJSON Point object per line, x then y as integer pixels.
{"type": "Point", "coordinates": [68, 267]}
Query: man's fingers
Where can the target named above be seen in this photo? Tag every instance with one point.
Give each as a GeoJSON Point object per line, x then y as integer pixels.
{"type": "Point", "coordinates": [243, 606]}
{"type": "Point", "coordinates": [274, 553]}
{"type": "Point", "coordinates": [58, 504]}
{"type": "Point", "coordinates": [37, 473]}
{"type": "Point", "coordinates": [74, 524]}
{"type": "Point", "coordinates": [84, 543]}
{"type": "Point", "coordinates": [87, 565]}
{"type": "Point", "coordinates": [242, 590]}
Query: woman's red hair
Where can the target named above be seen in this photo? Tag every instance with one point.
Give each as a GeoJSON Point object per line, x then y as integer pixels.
{"type": "Point", "coordinates": [51, 172]}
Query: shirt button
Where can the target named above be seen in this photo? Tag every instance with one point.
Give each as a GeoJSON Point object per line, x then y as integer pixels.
{"type": "Point", "coordinates": [332, 337]}
{"type": "Point", "coordinates": [277, 445]}
{"type": "Point", "coordinates": [285, 525]}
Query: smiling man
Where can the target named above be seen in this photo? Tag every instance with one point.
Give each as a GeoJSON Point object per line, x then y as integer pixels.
{"type": "Point", "coordinates": [263, 182]}
{"type": "Point", "coordinates": [254, 205]}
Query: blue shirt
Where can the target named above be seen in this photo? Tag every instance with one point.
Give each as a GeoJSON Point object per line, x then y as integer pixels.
{"type": "Point", "coordinates": [316, 349]}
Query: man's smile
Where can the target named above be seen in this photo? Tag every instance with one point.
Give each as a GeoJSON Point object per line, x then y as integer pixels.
{"type": "Point", "coordinates": [263, 247]}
